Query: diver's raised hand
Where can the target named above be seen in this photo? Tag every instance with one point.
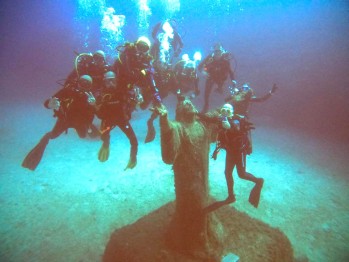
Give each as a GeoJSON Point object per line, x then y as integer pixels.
{"type": "Point", "coordinates": [161, 110]}
{"type": "Point", "coordinates": [90, 98]}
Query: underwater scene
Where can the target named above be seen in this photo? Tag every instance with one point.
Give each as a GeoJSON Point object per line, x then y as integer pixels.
{"type": "Point", "coordinates": [172, 130]}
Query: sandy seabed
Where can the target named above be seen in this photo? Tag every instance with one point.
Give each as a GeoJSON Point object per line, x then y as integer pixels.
{"type": "Point", "coordinates": [67, 209]}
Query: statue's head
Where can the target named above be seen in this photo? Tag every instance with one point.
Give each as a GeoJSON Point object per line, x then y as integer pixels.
{"type": "Point", "coordinates": [185, 111]}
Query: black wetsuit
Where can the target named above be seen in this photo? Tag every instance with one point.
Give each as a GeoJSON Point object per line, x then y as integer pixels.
{"type": "Point", "coordinates": [114, 111]}
{"type": "Point", "coordinates": [241, 101]}
{"type": "Point", "coordinates": [96, 72]}
{"type": "Point", "coordinates": [218, 72]}
{"type": "Point", "coordinates": [235, 141]}
{"type": "Point", "coordinates": [236, 144]}
{"type": "Point", "coordinates": [74, 112]}
{"type": "Point", "coordinates": [186, 78]}
{"type": "Point", "coordinates": [136, 69]}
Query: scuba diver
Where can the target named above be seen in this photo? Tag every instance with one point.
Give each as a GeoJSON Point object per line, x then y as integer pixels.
{"type": "Point", "coordinates": [94, 65]}
{"type": "Point", "coordinates": [114, 110]}
{"type": "Point", "coordinates": [217, 67]}
{"type": "Point", "coordinates": [74, 108]}
{"type": "Point", "coordinates": [241, 97]}
{"type": "Point", "coordinates": [182, 80]}
{"type": "Point", "coordinates": [134, 68]}
{"type": "Point", "coordinates": [233, 138]}
{"type": "Point", "coordinates": [186, 78]}
{"type": "Point", "coordinates": [167, 45]}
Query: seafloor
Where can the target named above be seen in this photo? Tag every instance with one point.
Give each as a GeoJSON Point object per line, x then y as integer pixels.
{"type": "Point", "coordinates": [68, 208]}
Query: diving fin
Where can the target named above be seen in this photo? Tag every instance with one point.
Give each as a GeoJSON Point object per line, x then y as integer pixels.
{"type": "Point", "coordinates": [103, 153]}
{"type": "Point", "coordinates": [151, 131]}
{"type": "Point", "coordinates": [256, 193]}
{"type": "Point", "coordinates": [132, 162]}
{"type": "Point", "coordinates": [33, 158]}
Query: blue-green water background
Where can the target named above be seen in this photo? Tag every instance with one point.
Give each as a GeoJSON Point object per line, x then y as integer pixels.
{"type": "Point", "coordinates": [72, 203]}
{"type": "Point", "coordinates": [303, 46]}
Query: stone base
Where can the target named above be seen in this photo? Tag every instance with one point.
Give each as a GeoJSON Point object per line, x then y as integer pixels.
{"type": "Point", "coordinates": [248, 238]}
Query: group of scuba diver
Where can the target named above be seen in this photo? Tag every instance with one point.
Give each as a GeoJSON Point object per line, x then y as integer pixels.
{"type": "Point", "coordinates": [141, 77]}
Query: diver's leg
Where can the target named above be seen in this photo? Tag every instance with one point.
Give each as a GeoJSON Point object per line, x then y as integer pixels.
{"type": "Point", "coordinates": [128, 130]}
{"type": "Point", "coordinates": [92, 131]}
{"type": "Point", "coordinates": [229, 167]}
{"type": "Point", "coordinates": [241, 170]}
{"type": "Point", "coordinates": [85, 128]}
{"type": "Point", "coordinates": [219, 87]}
{"type": "Point", "coordinates": [154, 91]}
{"type": "Point", "coordinates": [208, 89]}
{"type": "Point", "coordinates": [256, 190]}
{"type": "Point", "coordinates": [249, 143]}
{"type": "Point", "coordinates": [58, 129]}
{"type": "Point", "coordinates": [81, 131]}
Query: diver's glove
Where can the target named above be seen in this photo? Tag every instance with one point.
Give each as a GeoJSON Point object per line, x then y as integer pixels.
{"type": "Point", "coordinates": [53, 103]}
{"type": "Point", "coordinates": [160, 110]}
{"type": "Point", "coordinates": [103, 153]}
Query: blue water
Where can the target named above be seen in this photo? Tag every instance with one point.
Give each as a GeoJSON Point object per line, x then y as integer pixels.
{"type": "Point", "coordinates": [303, 46]}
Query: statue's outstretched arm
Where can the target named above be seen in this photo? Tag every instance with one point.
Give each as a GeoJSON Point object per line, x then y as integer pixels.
{"type": "Point", "coordinates": [170, 138]}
